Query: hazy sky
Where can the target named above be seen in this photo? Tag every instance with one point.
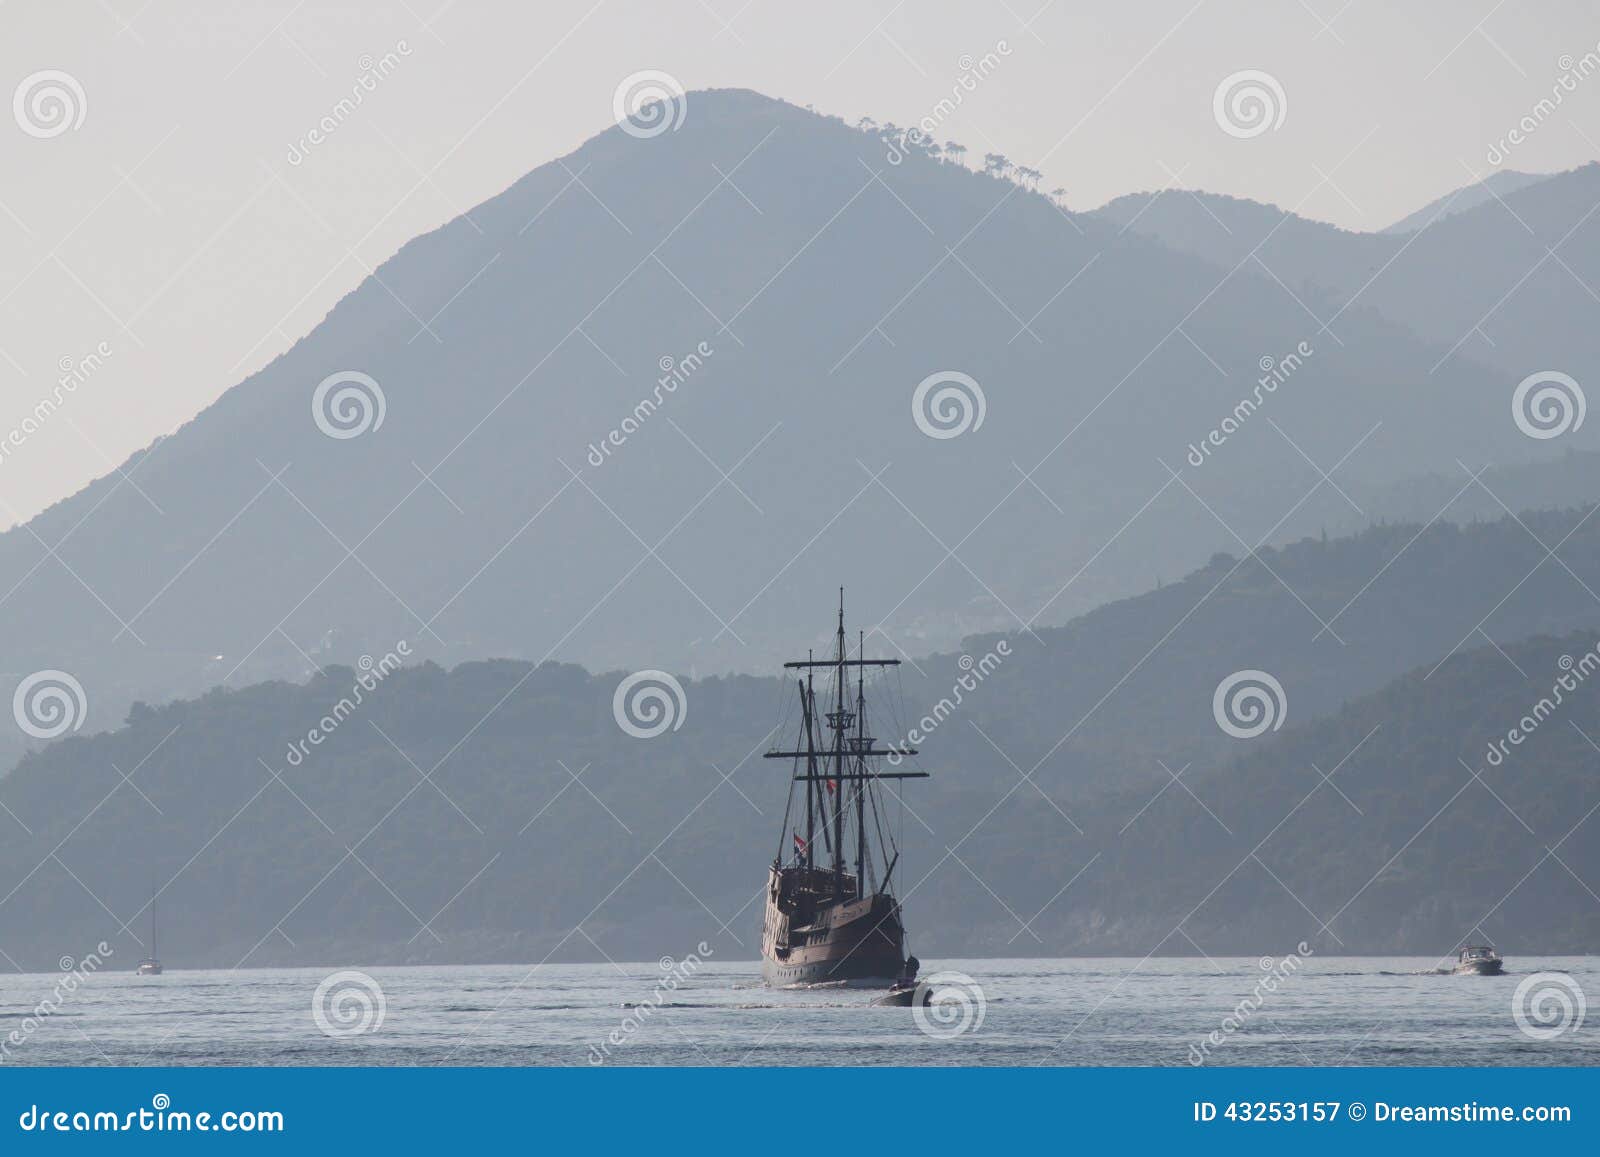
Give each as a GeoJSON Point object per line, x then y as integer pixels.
{"type": "Point", "coordinates": [171, 226]}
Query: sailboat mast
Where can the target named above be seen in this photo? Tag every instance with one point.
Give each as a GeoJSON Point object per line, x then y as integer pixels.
{"type": "Point", "coordinates": [838, 749]}
{"type": "Point", "coordinates": [861, 768]}
{"type": "Point", "coordinates": [809, 699]}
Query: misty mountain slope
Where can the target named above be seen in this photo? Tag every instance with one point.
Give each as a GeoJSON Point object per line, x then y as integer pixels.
{"type": "Point", "coordinates": [1514, 281]}
{"type": "Point", "coordinates": [1575, 476]}
{"type": "Point", "coordinates": [548, 833]}
{"type": "Point", "coordinates": [1311, 256]}
{"type": "Point", "coordinates": [523, 775]}
{"type": "Point", "coordinates": [1107, 698]}
{"type": "Point", "coordinates": [1481, 281]}
{"type": "Point", "coordinates": [1497, 184]}
{"type": "Point", "coordinates": [1415, 842]}
{"type": "Point", "coordinates": [474, 521]}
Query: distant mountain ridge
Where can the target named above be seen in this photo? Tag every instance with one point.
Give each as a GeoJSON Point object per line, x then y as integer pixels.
{"type": "Point", "coordinates": [1502, 272]}
{"type": "Point", "coordinates": [507, 799]}
{"type": "Point", "coordinates": [1497, 184]}
{"type": "Point", "coordinates": [1387, 828]}
{"type": "Point", "coordinates": [827, 288]}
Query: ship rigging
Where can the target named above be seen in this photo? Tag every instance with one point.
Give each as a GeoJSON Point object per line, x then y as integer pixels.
{"type": "Point", "coordinates": [824, 923]}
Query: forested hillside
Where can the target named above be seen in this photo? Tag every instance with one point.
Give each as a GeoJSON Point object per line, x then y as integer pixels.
{"type": "Point", "coordinates": [498, 812]}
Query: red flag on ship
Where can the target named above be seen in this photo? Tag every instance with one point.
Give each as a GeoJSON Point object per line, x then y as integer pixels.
{"type": "Point", "coordinates": [833, 786]}
{"type": "Point", "coordinates": [799, 844]}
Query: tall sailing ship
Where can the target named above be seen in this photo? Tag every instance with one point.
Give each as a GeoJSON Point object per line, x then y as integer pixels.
{"type": "Point", "coordinates": [824, 922]}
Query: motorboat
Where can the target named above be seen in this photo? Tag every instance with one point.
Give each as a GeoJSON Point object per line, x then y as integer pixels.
{"type": "Point", "coordinates": [1479, 960]}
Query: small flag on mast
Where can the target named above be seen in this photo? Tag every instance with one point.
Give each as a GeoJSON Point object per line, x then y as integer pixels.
{"type": "Point", "coordinates": [799, 844]}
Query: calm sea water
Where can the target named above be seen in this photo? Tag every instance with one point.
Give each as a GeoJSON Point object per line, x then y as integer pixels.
{"type": "Point", "coordinates": [1357, 1011]}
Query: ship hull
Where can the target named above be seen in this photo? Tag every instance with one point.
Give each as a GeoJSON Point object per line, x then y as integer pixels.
{"type": "Point", "coordinates": [786, 974]}
{"type": "Point", "coordinates": [846, 941]}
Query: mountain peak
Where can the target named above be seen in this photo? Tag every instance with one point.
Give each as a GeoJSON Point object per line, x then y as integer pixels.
{"type": "Point", "coordinates": [642, 408]}
{"type": "Point", "coordinates": [1494, 186]}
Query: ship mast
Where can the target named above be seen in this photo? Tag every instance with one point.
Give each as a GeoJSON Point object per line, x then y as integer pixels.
{"type": "Point", "coordinates": [808, 701]}
{"type": "Point", "coordinates": [860, 743]}
{"type": "Point", "coordinates": [829, 769]}
{"type": "Point", "coordinates": [839, 721]}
